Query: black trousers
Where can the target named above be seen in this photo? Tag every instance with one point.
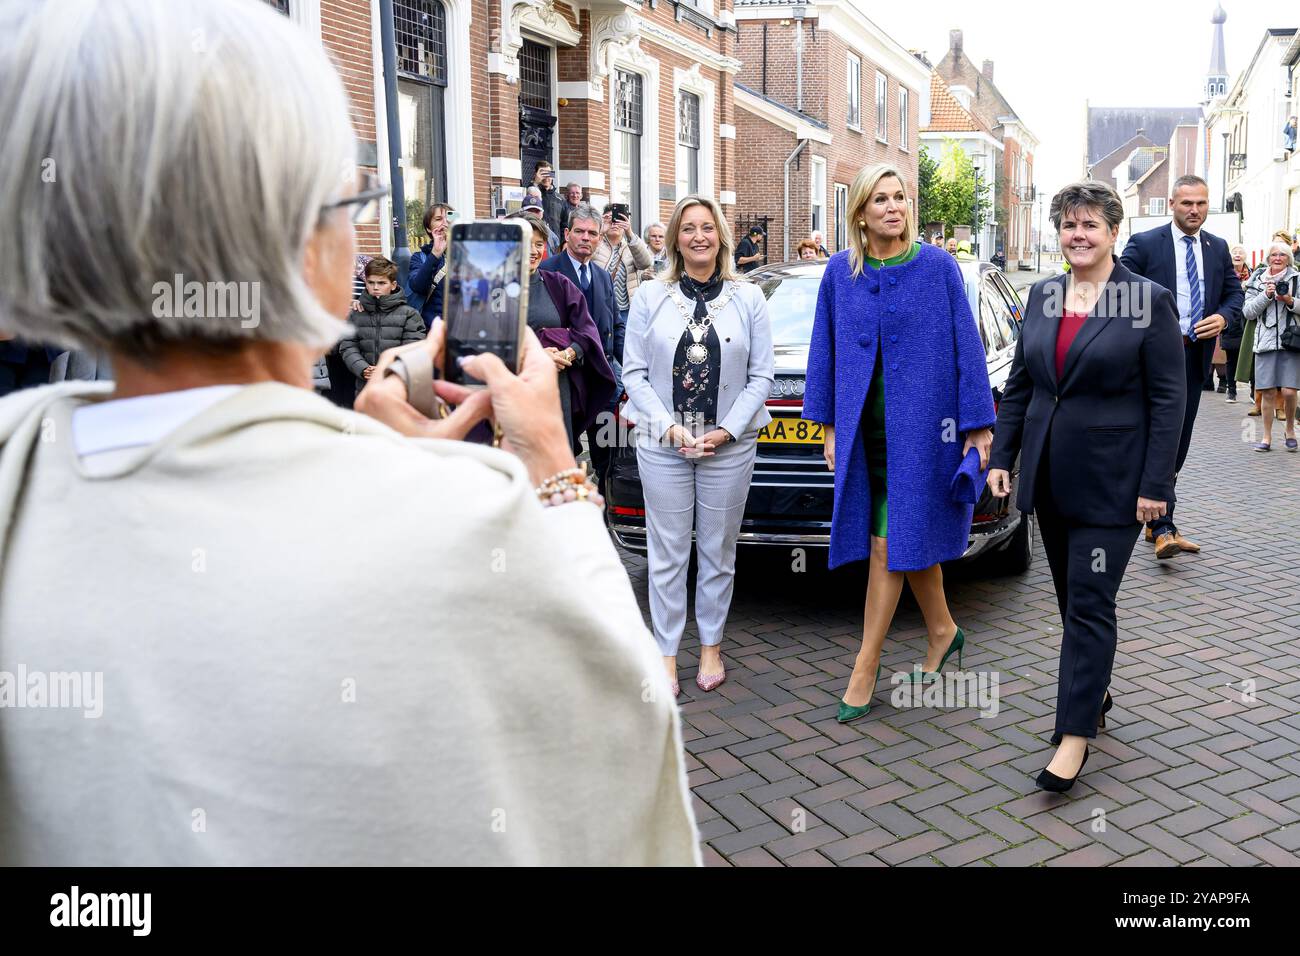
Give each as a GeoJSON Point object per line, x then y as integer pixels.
{"type": "Point", "coordinates": [1088, 564]}
{"type": "Point", "coordinates": [1196, 363]}
{"type": "Point", "coordinates": [1230, 370]}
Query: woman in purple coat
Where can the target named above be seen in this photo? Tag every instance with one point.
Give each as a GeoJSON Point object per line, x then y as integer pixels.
{"type": "Point", "coordinates": [896, 372]}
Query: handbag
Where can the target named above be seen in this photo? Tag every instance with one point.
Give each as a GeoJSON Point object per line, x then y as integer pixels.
{"type": "Point", "coordinates": [1289, 338]}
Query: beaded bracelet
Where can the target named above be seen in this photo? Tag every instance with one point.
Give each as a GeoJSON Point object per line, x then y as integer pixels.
{"type": "Point", "coordinates": [572, 484]}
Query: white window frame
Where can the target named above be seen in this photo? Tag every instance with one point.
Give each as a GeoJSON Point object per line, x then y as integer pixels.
{"type": "Point", "coordinates": [691, 81]}
{"type": "Point", "coordinates": [1156, 206]}
{"type": "Point", "coordinates": [680, 151]}
{"type": "Point", "coordinates": [853, 91]}
{"type": "Point", "coordinates": [904, 95]}
{"type": "Point", "coordinates": [841, 217]}
{"type": "Point", "coordinates": [817, 203]}
{"type": "Point", "coordinates": [635, 61]}
{"type": "Point", "coordinates": [882, 107]}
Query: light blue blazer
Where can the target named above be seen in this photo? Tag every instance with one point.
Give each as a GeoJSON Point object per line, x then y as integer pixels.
{"type": "Point", "coordinates": [654, 327]}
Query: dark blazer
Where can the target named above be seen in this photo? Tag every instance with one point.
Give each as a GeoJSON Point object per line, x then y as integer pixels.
{"type": "Point", "coordinates": [1151, 255]}
{"type": "Point", "coordinates": [1115, 416]}
{"type": "Point", "coordinates": [600, 301]}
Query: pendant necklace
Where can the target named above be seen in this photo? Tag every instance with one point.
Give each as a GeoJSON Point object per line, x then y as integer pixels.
{"type": "Point", "coordinates": [697, 353]}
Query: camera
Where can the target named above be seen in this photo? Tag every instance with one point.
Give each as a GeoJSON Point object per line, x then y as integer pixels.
{"type": "Point", "coordinates": [1282, 287]}
{"type": "Point", "coordinates": [620, 210]}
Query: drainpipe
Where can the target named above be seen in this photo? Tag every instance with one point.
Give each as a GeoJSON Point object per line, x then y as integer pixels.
{"type": "Point", "coordinates": [798, 60]}
{"type": "Point", "coordinates": [785, 223]}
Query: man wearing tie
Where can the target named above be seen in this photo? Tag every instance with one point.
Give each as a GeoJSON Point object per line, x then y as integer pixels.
{"type": "Point", "coordinates": [1197, 268]}
{"type": "Point", "coordinates": [574, 262]}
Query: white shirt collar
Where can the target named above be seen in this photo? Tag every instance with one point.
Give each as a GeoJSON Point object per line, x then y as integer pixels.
{"type": "Point", "coordinates": [1179, 234]}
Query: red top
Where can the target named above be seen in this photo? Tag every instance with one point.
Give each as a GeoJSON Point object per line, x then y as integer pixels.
{"type": "Point", "coordinates": [1071, 323]}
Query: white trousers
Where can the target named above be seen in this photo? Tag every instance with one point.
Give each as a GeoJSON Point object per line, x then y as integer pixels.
{"type": "Point", "coordinates": [708, 495]}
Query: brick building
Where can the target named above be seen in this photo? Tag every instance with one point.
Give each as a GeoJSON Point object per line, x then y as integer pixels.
{"type": "Point", "coordinates": [632, 99]}
{"type": "Point", "coordinates": [344, 29]}
{"type": "Point", "coordinates": [821, 93]}
{"type": "Point", "coordinates": [1014, 186]}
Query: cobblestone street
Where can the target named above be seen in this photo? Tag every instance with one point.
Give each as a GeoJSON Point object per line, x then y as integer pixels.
{"type": "Point", "coordinates": [1193, 769]}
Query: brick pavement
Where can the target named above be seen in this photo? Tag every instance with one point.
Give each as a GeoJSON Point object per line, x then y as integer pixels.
{"type": "Point", "coordinates": [1187, 773]}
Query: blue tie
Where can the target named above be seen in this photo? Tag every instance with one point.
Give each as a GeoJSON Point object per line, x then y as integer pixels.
{"type": "Point", "coordinates": [582, 277]}
{"type": "Point", "coordinates": [1194, 287]}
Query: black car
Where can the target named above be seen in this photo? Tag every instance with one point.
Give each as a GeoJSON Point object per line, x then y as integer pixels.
{"type": "Point", "coordinates": [792, 492]}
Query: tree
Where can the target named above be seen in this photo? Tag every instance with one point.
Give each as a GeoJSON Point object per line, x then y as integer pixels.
{"type": "Point", "coordinates": [948, 189]}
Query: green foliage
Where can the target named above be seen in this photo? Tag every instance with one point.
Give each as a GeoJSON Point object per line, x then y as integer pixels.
{"type": "Point", "coordinates": [947, 190]}
{"type": "Point", "coordinates": [415, 236]}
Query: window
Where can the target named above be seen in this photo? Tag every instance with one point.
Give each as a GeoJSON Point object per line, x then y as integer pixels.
{"type": "Point", "coordinates": [281, 6]}
{"type": "Point", "coordinates": [535, 76]}
{"type": "Point", "coordinates": [420, 34]}
{"type": "Point", "coordinates": [1156, 207]}
{"type": "Point", "coordinates": [625, 143]}
{"type": "Point", "coordinates": [818, 198]}
{"type": "Point", "coordinates": [854, 117]}
{"type": "Point", "coordinates": [688, 144]}
{"type": "Point", "coordinates": [902, 117]}
{"type": "Point", "coordinates": [882, 107]}
{"type": "Point", "coordinates": [841, 216]}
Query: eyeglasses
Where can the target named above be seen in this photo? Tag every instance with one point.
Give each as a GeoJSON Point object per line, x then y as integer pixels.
{"type": "Point", "coordinates": [365, 201]}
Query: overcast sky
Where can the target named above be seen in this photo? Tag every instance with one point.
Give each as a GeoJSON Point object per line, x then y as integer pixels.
{"type": "Point", "coordinates": [1052, 59]}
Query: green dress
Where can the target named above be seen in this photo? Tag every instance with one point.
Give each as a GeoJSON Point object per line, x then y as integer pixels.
{"type": "Point", "coordinates": [871, 431]}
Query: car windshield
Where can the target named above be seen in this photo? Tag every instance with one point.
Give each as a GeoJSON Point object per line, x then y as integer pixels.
{"type": "Point", "coordinates": [791, 307]}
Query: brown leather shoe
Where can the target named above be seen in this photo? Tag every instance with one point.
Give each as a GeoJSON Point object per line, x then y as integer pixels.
{"type": "Point", "coordinates": [1150, 536]}
{"type": "Point", "coordinates": [1167, 546]}
{"type": "Point", "coordinates": [1185, 545]}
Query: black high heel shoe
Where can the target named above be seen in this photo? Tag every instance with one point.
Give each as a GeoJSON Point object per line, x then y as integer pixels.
{"type": "Point", "coordinates": [1053, 784]}
{"type": "Point", "coordinates": [1106, 705]}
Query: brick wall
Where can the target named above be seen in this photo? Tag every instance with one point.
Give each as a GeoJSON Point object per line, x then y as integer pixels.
{"type": "Point", "coordinates": [763, 147]}
{"type": "Point", "coordinates": [345, 34]}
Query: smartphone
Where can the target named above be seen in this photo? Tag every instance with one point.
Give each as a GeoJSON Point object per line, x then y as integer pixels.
{"type": "Point", "coordinates": [620, 210]}
{"type": "Point", "coordinates": [485, 295]}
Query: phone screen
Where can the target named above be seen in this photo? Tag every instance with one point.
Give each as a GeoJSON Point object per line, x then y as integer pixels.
{"type": "Point", "coordinates": [485, 296]}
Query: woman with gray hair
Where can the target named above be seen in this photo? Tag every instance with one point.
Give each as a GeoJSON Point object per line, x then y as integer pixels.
{"type": "Point", "coordinates": [252, 709]}
{"type": "Point", "coordinates": [1093, 407]}
{"type": "Point", "coordinates": [1272, 303]}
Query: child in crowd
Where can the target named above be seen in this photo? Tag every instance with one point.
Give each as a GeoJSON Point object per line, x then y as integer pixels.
{"type": "Point", "coordinates": [384, 321]}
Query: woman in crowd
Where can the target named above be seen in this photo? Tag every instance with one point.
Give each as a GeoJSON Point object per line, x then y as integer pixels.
{"type": "Point", "coordinates": [1271, 303]}
{"type": "Point", "coordinates": [1230, 337]}
{"type": "Point", "coordinates": [807, 249]}
{"type": "Point", "coordinates": [1094, 408]}
{"type": "Point", "coordinates": [427, 267]}
{"type": "Point", "coordinates": [698, 368]}
{"type": "Point", "coordinates": [437, 225]}
{"type": "Point", "coordinates": [469, 702]}
{"type": "Point", "coordinates": [897, 374]}
{"type": "Point", "coordinates": [557, 312]}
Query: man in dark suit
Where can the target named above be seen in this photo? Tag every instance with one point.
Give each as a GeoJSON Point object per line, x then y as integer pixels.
{"type": "Point", "coordinates": [1197, 268]}
{"type": "Point", "coordinates": [574, 262]}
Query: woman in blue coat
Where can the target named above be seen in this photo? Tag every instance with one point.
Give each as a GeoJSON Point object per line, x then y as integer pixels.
{"type": "Point", "coordinates": [897, 374]}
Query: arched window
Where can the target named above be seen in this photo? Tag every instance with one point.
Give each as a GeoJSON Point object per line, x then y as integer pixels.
{"type": "Point", "coordinates": [420, 32]}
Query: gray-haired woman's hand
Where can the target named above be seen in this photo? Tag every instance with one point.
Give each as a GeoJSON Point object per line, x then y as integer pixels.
{"type": "Point", "coordinates": [384, 399]}
{"type": "Point", "coordinates": [527, 408]}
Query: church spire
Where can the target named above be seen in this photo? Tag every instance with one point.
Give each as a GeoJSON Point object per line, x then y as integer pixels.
{"type": "Point", "coordinates": [1216, 77]}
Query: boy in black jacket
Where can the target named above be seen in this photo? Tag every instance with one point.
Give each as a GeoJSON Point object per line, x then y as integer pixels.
{"type": "Point", "coordinates": [384, 321]}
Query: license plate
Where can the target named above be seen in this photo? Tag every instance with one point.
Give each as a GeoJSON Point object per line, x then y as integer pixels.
{"type": "Point", "coordinates": [792, 431]}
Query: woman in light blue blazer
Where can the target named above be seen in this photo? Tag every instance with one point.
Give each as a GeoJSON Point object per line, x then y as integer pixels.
{"type": "Point", "coordinates": [697, 366]}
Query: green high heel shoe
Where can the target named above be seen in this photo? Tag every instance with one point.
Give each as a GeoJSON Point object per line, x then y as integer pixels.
{"type": "Point", "coordinates": [958, 642]}
{"type": "Point", "coordinates": [847, 713]}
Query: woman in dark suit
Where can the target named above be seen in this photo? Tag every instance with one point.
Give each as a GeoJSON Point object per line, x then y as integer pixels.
{"type": "Point", "coordinates": [1094, 407]}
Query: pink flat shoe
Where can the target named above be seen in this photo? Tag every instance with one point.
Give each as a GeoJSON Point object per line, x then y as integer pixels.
{"type": "Point", "coordinates": [677, 689]}
{"type": "Point", "coordinates": [709, 683]}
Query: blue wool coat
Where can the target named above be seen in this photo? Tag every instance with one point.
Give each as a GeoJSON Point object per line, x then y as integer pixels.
{"type": "Point", "coordinates": [936, 390]}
